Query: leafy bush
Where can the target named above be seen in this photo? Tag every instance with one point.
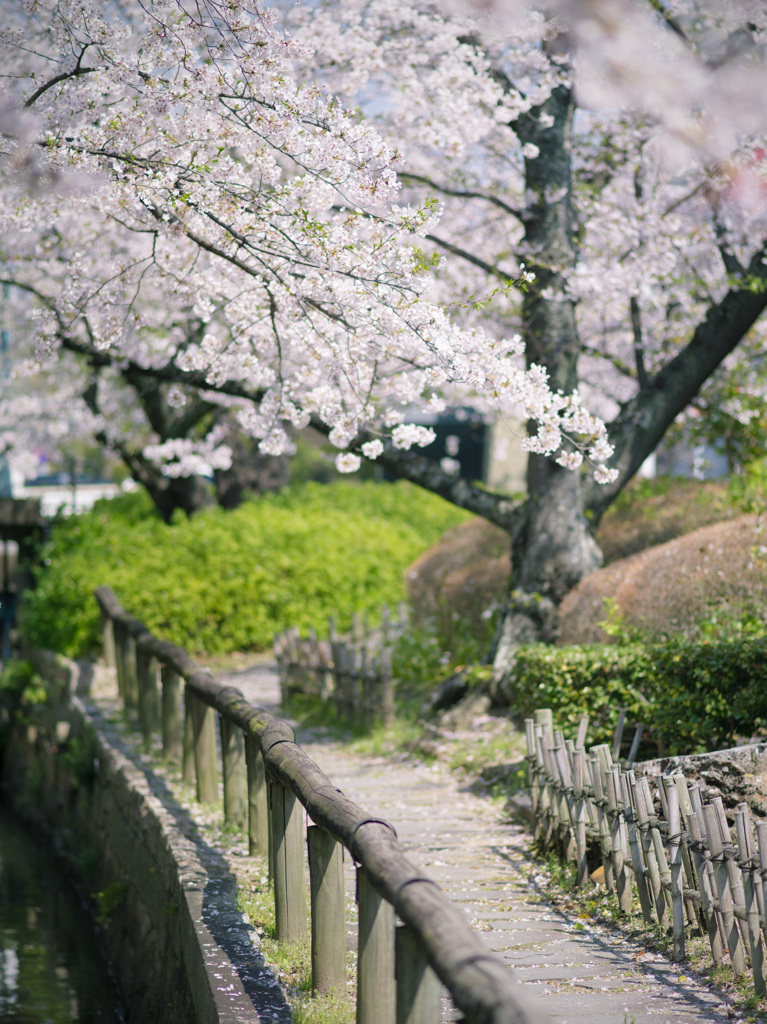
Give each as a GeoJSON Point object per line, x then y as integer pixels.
{"type": "Point", "coordinates": [691, 697]}
{"type": "Point", "coordinates": [225, 581]}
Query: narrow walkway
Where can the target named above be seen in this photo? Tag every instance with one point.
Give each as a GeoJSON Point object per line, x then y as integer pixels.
{"type": "Point", "coordinates": [580, 972]}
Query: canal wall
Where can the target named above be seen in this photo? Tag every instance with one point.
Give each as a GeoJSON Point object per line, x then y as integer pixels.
{"type": "Point", "coordinates": [164, 900]}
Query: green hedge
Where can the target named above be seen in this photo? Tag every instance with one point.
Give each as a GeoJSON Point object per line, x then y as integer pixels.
{"type": "Point", "coordinates": [225, 581]}
{"type": "Point", "coordinates": [691, 697]}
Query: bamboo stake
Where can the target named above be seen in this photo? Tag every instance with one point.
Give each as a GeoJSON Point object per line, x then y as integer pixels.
{"type": "Point", "coordinates": [734, 945]}
{"type": "Point", "coordinates": [751, 881]}
{"type": "Point", "coordinates": [675, 865]}
{"type": "Point", "coordinates": [618, 839]}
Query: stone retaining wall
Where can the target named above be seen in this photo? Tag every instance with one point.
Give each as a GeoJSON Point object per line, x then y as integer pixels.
{"type": "Point", "coordinates": [165, 901]}
{"type": "Point", "coordinates": [736, 774]}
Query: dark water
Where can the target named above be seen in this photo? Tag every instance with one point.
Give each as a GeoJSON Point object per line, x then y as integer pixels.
{"type": "Point", "coordinates": [51, 967]}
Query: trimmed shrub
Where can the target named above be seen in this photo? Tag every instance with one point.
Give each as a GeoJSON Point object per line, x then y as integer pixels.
{"type": "Point", "coordinates": [691, 697]}
{"type": "Point", "coordinates": [225, 581]}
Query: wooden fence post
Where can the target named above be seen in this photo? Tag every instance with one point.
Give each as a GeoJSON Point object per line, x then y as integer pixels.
{"type": "Point", "coordinates": [326, 883]}
{"type": "Point", "coordinates": [205, 754]}
{"type": "Point", "coordinates": [234, 772]}
{"type": "Point", "coordinates": [146, 677]}
{"type": "Point", "coordinates": [188, 771]}
{"type": "Point", "coordinates": [108, 634]}
{"type": "Point", "coordinates": [418, 987]}
{"type": "Point", "coordinates": [172, 728]}
{"type": "Point", "coordinates": [131, 692]}
{"type": "Point", "coordinates": [119, 634]}
{"type": "Point", "coordinates": [288, 863]}
{"type": "Point", "coordinates": [258, 797]}
{"type": "Point", "coordinates": [376, 999]}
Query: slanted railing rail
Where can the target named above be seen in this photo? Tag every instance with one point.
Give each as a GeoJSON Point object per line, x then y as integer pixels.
{"type": "Point", "coordinates": [267, 777]}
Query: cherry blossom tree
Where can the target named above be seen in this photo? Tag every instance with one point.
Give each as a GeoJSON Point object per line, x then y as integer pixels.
{"type": "Point", "coordinates": [478, 228]}
{"type": "Point", "coordinates": [613, 150]}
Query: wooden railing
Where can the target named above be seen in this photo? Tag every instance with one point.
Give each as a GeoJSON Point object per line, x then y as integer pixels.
{"type": "Point", "coordinates": [267, 778]}
{"type": "Point", "coordinates": [658, 839]}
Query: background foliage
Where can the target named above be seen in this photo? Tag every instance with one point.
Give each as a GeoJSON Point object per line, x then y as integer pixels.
{"type": "Point", "coordinates": [225, 581]}
{"type": "Point", "coordinates": [691, 696]}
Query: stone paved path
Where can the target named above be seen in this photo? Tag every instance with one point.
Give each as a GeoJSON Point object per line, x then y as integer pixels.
{"type": "Point", "coordinates": [578, 971]}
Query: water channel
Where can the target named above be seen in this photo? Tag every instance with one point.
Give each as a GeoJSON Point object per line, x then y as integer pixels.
{"type": "Point", "coordinates": [52, 969]}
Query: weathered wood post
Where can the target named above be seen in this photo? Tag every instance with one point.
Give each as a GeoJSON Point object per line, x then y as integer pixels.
{"type": "Point", "coordinates": [146, 676]}
{"type": "Point", "coordinates": [376, 999]}
{"type": "Point", "coordinates": [131, 692]}
{"type": "Point", "coordinates": [418, 987]}
{"type": "Point", "coordinates": [695, 913]}
{"type": "Point", "coordinates": [234, 771]}
{"type": "Point", "coordinates": [258, 797]}
{"type": "Point", "coordinates": [119, 634]}
{"type": "Point", "coordinates": [172, 727]}
{"type": "Point", "coordinates": [326, 883]}
{"type": "Point", "coordinates": [205, 753]}
{"type": "Point", "coordinates": [288, 863]}
{"type": "Point", "coordinates": [188, 771]}
{"type": "Point", "coordinates": [734, 876]}
{"type": "Point", "coordinates": [108, 635]}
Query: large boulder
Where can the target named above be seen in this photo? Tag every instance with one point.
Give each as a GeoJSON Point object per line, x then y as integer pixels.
{"type": "Point", "coordinates": [463, 576]}
{"type": "Point", "coordinates": [670, 588]}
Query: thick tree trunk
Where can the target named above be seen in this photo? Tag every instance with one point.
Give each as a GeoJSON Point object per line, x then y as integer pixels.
{"type": "Point", "coordinates": [552, 547]}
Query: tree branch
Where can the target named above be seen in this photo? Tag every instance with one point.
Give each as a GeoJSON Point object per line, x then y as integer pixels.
{"type": "Point", "coordinates": [471, 258]}
{"type": "Point", "coordinates": [642, 421]}
{"type": "Point", "coordinates": [461, 194]}
{"type": "Point", "coordinates": [636, 327]}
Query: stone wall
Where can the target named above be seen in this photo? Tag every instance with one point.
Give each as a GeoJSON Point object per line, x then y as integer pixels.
{"type": "Point", "coordinates": [738, 774]}
{"type": "Point", "coordinates": [164, 900]}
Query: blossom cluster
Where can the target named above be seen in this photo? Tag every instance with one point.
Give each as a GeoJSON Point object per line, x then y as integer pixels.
{"type": "Point", "coordinates": [239, 226]}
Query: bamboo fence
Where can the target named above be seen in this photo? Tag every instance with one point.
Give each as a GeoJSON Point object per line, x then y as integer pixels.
{"type": "Point", "coordinates": [659, 841]}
